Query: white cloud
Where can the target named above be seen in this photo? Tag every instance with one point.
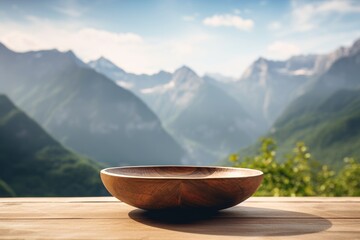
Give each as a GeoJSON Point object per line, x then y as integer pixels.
{"type": "Point", "coordinates": [65, 39]}
{"type": "Point", "coordinates": [126, 49]}
{"type": "Point", "coordinates": [229, 20]}
{"type": "Point", "coordinates": [273, 26]}
{"type": "Point", "coordinates": [338, 6]}
{"type": "Point", "coordinates": [105, 37]}
{"type": "Point", "coordinates": [307, 16]}
{"type": "Point", "coordinates": [282, 50]}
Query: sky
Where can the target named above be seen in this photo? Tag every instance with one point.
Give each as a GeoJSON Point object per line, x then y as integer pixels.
{"type": "Point", "coordinates": [143, 36]}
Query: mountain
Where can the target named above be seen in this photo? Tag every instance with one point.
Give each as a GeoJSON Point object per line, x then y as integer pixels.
{"type": "Point", "coordinates": [169, 99]}
{"type": "Point", "coordinates": [106, 67]}
{"type": "Point", "coordinates": [324, 62]}
{"type": "Point", "coordinates": [331, 128]}
{"type": "Point", "coordinates": [129, 81]}
{"type": "Point", "coordinates": [331, 80]}
{"type": "Point", "coordinates": [207, 121]}
{"type": "Point", "coordinates": [326, 116]}
{"type": "Point", "coordinates": [203, 118]}
{"type": "Point", "coordinates": [343, 74]}
{"type": "Point", "coordinates": [267, 87]}
{"type": "Point", "coordinates": [85, 110]}
{"type": "Point", "coordinates": [32, 163]}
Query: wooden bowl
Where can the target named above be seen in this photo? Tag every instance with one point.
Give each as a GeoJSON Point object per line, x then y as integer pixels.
{"type": "Point", "coordinates": [181, 187]}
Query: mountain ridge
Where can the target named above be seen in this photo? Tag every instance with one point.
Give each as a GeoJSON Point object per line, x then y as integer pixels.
{"type": "Point", "coordinates": [186, 98]}
{"type": "Point", "coordinates": [85, 110]}
{"type": "Point", "coordinates": [326, 116]}
{"type": "Point", "coordinates": [127, 80]}
{"type": "Point", "coordinates": [32, 163]}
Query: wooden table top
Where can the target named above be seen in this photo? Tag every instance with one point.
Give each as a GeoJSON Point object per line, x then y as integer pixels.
{"type": "Point", "coordinates": [107, 218]}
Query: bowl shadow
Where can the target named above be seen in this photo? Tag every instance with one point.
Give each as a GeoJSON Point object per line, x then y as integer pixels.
{"type": "Point", "coordinates": [241, 221]}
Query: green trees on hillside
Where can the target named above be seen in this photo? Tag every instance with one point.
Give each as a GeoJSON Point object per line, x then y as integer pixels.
{"type": "Point", "coordinates": [32, 163]}
{"type": "Point", "coordinates": [299, 174]}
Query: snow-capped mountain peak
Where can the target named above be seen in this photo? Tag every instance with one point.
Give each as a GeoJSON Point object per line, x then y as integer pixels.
{"type": "Point", "coordinates": [158, 89]}
{"type": "Point", "coordinates": [104, 63]}
{"type": "Point", "coordinates": [257, 71]}
{"type": "Point", "coordinates": [183, 79]}
{"type": "Point", "coordinates": [186, 76]}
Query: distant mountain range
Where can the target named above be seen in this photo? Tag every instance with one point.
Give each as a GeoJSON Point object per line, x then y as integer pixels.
{"type": "Point", "coordinates": [326, 111]}
{"type": "Point", "coordinates": [267, 87]}
{"type": "Point", "coordinates": [126, 80]}
{"type": "Point", "coordinates": [212, 115]}
{"type": "Point", "coordinates": [85, 110]}
{"type": "Point", "coordinates": [119, 118]}
{"type": "Point", "coordinates": [202, 117]}
{"type": "Point", "coordinates": [327, 115]}
{"type": "Point", "coordinates": [32, 163]}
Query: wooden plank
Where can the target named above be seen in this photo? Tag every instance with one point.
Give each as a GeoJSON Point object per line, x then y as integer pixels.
{"type": "Point", "coordinates": [107, 218]}
{"type": "Point", "coordinates": [211, 229]}
{"type": "Point", "coordinates": [304, 199]}
{"type": "Point", "coordinates": [112, 199]}
{"type": "Point", "coordinates": [249, 209]}
{"type": "Point", "coordinates": [57, 199]}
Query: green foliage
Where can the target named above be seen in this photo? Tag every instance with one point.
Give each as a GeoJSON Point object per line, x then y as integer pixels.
{"type": "Point", "coordinates": [348, 182]}
{"type": "Point", "coordinates": [299, 174]}
{"type": "Point", "coordinates": [330, 125]}
{"type": "Point", "coordinates": [32, 163]}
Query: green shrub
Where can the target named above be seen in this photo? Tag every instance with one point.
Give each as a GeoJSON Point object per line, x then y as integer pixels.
{"type": "Point", "coordinates": [299, 174]}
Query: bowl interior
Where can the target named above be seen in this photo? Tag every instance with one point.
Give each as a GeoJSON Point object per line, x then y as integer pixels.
{"type": "Point", "coordinates": [181, 172]}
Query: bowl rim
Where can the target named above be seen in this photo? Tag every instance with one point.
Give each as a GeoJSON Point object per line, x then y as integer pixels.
{"type": "Point", "coordinates": [256, 172]}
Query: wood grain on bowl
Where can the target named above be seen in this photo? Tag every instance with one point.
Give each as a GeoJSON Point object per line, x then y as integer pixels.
{"type": "Point", "coordinates": [181, 187]}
